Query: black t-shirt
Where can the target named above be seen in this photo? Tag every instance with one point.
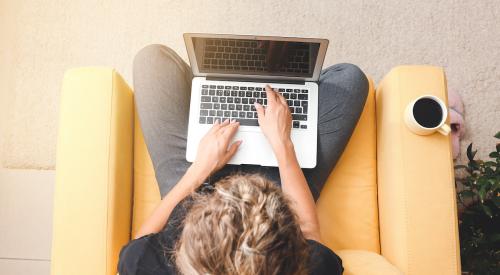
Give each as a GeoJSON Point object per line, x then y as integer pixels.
{"type": "Point", "coordinates": [152, 254]}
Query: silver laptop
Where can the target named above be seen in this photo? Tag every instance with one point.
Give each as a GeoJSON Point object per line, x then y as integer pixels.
{"type": "Point", "coordinates": [230, 73]}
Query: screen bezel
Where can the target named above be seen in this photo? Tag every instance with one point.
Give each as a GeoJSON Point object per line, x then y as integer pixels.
{"type": "Point", "coordinates": [323, 45]}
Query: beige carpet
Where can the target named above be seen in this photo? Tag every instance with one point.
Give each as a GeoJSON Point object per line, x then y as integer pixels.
{"type": "Point", "coordinates": [39, 40]}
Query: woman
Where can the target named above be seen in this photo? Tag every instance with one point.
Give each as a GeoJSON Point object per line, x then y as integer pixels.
{"type": "Point", "coordinates": [234, 219]}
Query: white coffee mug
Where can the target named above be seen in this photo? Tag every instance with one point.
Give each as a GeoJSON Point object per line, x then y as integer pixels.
{"type": "Point", "coordinates": [422, 116]}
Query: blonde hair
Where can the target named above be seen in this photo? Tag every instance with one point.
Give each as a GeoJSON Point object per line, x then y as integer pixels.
{"type": "Point", "coordinates": [244, 227]}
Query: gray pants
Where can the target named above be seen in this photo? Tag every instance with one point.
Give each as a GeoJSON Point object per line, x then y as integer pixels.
{"type": "Point", "coordinates": [162, 84]}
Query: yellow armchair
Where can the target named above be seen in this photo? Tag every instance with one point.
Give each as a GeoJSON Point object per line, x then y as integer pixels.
{"type": "Point", "coordinates": [388, 207]}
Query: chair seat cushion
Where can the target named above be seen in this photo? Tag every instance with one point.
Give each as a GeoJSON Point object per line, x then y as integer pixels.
{"type": "Point", "coordinates": [347, 207]}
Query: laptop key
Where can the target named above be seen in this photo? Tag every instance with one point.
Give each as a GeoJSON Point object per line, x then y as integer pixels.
{"type": "Point", "coordinates": [296, 124]}
{"type": "Point", "coordinates": [203, 120]}
{"type": "Point", "coordinates": [215, 99]}
{"type": "Point", "coordinates": [210, 120]}
{"type": "Point", "coordinates": [204, 91]}
{"type": "Point", "coordinates": [205, 99]}
{"type": "Point", "coordinates": [227, 114]}
{"type": "Point", "coordinates": [211, 92]}
{"type": "Point", "coordinates": [296, 103]}
{"type": "Point", "coordinates": [244, 101]}
{"type": "Point", "coordinates": [248, 122]}
{"type": "Point", "coordinates": [246, 107]}
{"type": "Point", "coordinates": [241, 114]}
{"type": "Point", "coordinates": [234, 114]}
{"type": "Point", "coordinates": [206, 106]}
{"type": "Point", "coordinates": [249, 115]}
{"type": "Point", "coordinates": [216, 106]}
{"type": "Point", "coordinates": [305, 105]}
{"type": "Point", "coordinates": [203, 112]}
{"type": "Point", "coordinates": [219, 113]}
{"type": "Point", "coordinates": [299, 117]}
{"type": "Point", "coordinates": [212, 112]}
{"type": "Point", "coordinates": [302, 96]}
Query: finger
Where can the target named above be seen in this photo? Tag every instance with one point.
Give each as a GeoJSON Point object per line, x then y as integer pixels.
{"type": "Point", "coordinates": [260, 110]}
{"type": "Point", "coordinates": [215, 127]}
{"type": "Point", "coordinates": [230, 131]}
{"type": "Point", "coordinates": [227, 124]}
{"type": "Point", "coordinates": [271, 95]}
{"type": "Point", "coordinates": [223, 125]}
{"type": "Point", "coordinates": [282, 99]}
{"type": "Point", "coordinates": [232, 150]}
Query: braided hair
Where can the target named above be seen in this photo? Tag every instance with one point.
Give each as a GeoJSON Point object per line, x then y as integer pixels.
{"type": "Point", "coordinates": [245, 226]}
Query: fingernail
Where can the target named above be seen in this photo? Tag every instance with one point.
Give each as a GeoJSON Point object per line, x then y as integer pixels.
{"type": "Point", "coordinates": [233, 120]}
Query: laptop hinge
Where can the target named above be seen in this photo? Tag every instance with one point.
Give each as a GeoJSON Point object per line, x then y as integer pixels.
{"type": "Point", "coordinates": [282, 81]}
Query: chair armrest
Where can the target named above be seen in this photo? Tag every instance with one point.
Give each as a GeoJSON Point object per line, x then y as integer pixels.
{"type": "Point", "coordinates": [416, 190]}
{"type": "Point", "coordinates": [93, 191]}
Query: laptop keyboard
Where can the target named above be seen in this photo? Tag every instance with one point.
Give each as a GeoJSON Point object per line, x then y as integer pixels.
{"type": "Point", "coordinates": [237, 102]}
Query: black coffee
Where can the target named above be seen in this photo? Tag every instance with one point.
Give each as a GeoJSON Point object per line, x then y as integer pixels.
{"type": "Point", "coordinates": [427, 112]}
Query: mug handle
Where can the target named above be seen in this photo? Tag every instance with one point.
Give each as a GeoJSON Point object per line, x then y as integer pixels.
{"type": "Point", "coordinates": [444, 129]}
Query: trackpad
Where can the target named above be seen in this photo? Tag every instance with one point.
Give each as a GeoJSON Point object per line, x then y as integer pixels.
{"type": "Point", "coordinates": [255, 149]}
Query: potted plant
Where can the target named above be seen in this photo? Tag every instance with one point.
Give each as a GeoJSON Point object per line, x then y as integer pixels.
{"type": "Point", "coordinates": [479, 220]}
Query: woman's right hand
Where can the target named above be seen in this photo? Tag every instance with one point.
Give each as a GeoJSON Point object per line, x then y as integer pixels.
{"type": "Point", "coordinates": [275, 120]}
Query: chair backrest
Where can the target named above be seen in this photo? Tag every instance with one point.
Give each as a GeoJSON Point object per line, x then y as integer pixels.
{"type": "Point", "coordinates": [347, 207]}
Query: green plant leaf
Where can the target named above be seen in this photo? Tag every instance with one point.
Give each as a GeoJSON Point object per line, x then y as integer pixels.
{"type": "Point", "coordinates": [482, 192]}
{"type": "Point", "coordinates": [498, 147]}
{"type": "Point", "coordinates": [489, 163]}
{"type": "Point", "coordinates": [467, 194]}
{"type": "Point", "coordinates": [494, 155]}
{"type": "Point", "coordinates": [470, 153]}
{"type": "Point", "coordinates": [487, 210]}
{"type": "Point", "coordinates": [497, 135]}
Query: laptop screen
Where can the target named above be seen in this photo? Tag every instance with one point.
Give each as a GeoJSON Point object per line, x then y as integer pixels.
{"type": "Point", "coordinates": [255, 57]}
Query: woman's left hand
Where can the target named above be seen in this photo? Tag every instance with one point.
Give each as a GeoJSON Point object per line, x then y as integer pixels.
{"type": "Point", "coordinates": [214, 150]}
